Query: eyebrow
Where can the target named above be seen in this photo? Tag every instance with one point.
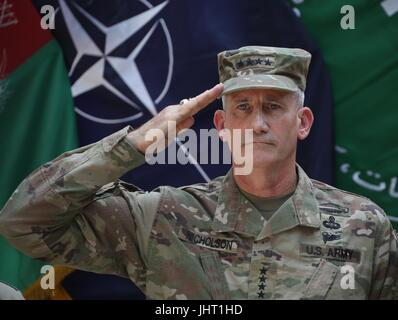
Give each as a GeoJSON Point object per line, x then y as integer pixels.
{"type": "Point", "coordinates": [241, 100]}
{"type": "Point", "coordinates": [266, 98]}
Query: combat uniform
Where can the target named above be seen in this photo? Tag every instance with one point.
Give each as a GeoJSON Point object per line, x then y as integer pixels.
{"type": "Point", "coordinates": [204, 241]}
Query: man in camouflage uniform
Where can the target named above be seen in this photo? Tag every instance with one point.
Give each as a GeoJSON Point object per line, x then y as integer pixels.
{"type": "Point", "coordinates": [272, 234]}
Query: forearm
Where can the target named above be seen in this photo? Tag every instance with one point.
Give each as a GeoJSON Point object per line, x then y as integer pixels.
{"type": "Point", "coordinates": [48, 200]}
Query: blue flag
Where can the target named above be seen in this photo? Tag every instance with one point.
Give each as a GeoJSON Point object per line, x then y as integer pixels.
{"type": "Point", "coordinates": [129, 59]}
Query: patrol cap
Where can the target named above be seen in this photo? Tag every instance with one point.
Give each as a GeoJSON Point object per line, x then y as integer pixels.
{"type": "Point", "coordinates": [260, 67]}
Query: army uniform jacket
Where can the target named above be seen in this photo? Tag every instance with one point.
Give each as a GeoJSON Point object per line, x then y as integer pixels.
{"type": "Point", "coordinates": [203, 241]}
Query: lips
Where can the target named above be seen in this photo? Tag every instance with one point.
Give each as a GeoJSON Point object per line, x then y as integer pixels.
{"type": "Point", "coordinates": [263, 142]}
{"type": "Point", "coordinates": [259, 143]}
{"type": "Point", "coordinates": [252, 141]}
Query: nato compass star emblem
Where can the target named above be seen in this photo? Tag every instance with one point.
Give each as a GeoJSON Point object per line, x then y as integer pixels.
{"type": "Point", "coordinates": [125, 67]}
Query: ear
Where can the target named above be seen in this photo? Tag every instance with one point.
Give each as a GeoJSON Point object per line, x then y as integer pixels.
{"type": "Point", "coordinates": [219, 122]}
{"type": "Point", "coordinates": [306, 118]}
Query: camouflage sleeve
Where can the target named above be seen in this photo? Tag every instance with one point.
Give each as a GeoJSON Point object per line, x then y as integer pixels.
{"type": "Point", "coordinates": [385, 266]}
{"type": "Point", "coordinates": [73, 211]}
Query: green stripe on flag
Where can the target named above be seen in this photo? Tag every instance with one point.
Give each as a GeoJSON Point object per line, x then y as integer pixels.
{"type": "Point", "coordinates": [37, 123]}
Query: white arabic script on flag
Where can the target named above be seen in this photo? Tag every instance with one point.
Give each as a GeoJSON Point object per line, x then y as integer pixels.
{"type": "Point", "coordinates": [7, 16]}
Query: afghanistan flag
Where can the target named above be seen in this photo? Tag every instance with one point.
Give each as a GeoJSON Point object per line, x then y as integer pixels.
{"type": "Point", "coordinates": [37, 121]}
{"type": "Point", "coordinates": [363, 64]}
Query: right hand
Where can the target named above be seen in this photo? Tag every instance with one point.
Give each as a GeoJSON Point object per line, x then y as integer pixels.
{"type": "Point", "coordinates": [181, 114]}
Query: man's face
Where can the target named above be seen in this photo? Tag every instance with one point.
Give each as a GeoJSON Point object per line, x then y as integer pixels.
{"type": "Point", "coordinates": [273, 115]}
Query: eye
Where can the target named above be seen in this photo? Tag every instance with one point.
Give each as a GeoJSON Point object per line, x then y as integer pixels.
{"type": "Point", "coordinates": [273, 106]}
{"type": "Point", "coordinates": [243, 107]}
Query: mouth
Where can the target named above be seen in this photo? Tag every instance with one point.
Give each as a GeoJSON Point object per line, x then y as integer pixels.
{"type": "Point", "coordinates": [260, 142]}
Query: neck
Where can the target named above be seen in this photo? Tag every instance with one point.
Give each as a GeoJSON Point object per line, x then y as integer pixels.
{"type": "Point", "coordinates": [272, 181]}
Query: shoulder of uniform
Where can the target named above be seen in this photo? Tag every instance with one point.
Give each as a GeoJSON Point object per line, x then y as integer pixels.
{"type": "Point", "coordinates": [206, 187]}
{"type": "Point", "coordinates": [193, 192]}
{"type": "Point", "coordinates": [356, 206]}
{"type": "Point", "coordinates": [197, 200]}
{"type": "Point", "coordinates": [119, 189]}
{"type": "Point", "coordinates": [333, 191]}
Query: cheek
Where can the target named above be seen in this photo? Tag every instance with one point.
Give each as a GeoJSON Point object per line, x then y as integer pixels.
{"type": "Point", "coordinates": [287, 130]}
{"type": "Point", "coordinates": [234, 123]}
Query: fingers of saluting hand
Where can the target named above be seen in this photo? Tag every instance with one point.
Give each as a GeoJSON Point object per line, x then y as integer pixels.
{"type": "Point", "coordinates": [194, 105]}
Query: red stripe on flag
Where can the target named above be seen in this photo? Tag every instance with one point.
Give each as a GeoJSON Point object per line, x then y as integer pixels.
{"type": "Point", "coordinates": [20, 33]}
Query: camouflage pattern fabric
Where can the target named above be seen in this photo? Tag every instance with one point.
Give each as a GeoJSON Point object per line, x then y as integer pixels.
{"type": "Point", "coordinates": [203, 241]}
{"type": "Point", "coordinates": [263, 67]}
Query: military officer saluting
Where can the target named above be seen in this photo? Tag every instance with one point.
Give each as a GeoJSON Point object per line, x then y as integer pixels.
{"type": "Point", "coordinates": [271, 234]}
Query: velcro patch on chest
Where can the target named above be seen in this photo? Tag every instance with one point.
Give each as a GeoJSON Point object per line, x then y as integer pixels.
{"type": "Point", "coordinates": [330, 253]}
{"type": "Point", "coordinates": [209, 241]}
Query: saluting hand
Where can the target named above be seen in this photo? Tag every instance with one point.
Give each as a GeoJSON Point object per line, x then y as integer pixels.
{"type": "Point", "coordinates": [181, 115]}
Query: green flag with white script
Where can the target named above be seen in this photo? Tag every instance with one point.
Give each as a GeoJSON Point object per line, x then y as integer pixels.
{"type": "Point", "coordinates": [360, 47]}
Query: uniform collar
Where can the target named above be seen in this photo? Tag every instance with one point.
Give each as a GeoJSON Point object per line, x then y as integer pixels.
{"type": "Point", "coordinates": [235, 214]}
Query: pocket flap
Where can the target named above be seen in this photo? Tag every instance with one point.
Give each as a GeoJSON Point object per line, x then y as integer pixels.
{"type": "Point", "coordinates": [321, 281]}
{"type": "Point", "coordinates": [214, 271]}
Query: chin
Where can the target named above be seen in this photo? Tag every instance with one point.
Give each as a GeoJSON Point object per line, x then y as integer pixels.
{"type": "Point", "coordinates": [263, 159]}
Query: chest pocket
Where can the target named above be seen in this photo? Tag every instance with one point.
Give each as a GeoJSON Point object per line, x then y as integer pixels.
{"type": "Point", "coordinates": [210, 261]}
{"type": "Point", "coordinates": [215, 274]}
{"type": "Point", "coordinates": [321, 281]}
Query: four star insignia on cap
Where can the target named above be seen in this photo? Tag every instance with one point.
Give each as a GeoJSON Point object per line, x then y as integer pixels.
{"type": "Point", "coordinates": [252, 62]}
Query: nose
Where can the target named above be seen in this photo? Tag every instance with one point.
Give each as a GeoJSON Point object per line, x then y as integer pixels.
{"type": "Point", "coordinates": [260, 124]}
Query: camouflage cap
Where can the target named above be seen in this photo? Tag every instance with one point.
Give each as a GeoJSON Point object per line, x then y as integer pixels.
{"type": "Point", "coordinates": [263, 67]}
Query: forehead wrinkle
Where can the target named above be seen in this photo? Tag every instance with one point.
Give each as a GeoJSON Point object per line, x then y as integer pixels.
{"type": "Point", "coordinates": [241, 100]}
{"type": "Point", "coordinates": [262, 96]}
{"type": "Point", "coordinates": [247, 94]}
